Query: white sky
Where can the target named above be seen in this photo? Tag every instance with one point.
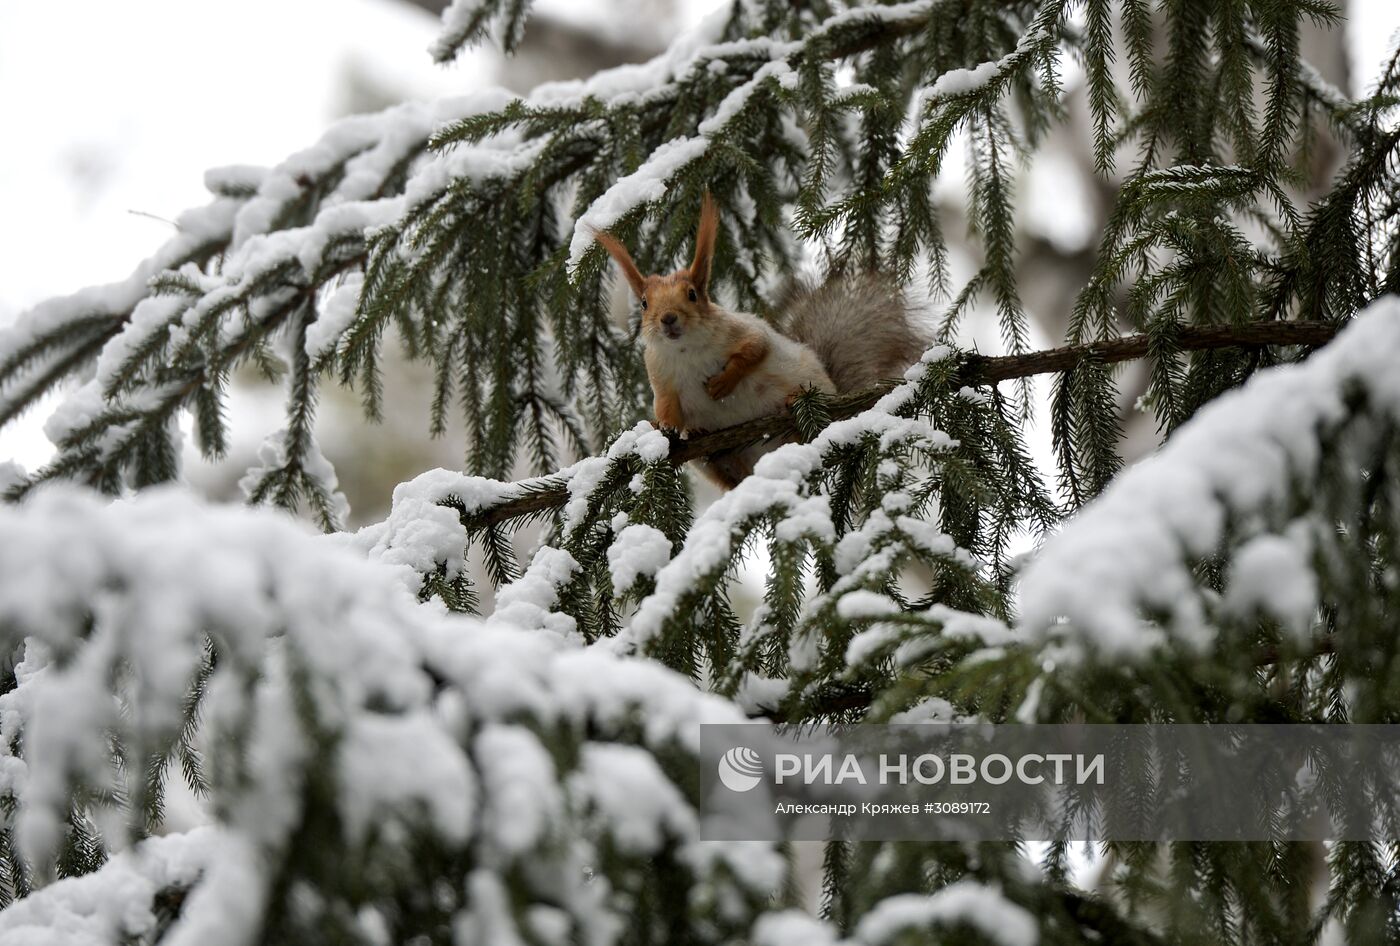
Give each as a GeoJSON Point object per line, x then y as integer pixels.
{"type": "Point", "coordinates": [112, 111]}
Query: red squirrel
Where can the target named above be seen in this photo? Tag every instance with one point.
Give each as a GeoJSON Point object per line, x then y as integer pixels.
{"type": "Point", "coordinates": [711, 368]}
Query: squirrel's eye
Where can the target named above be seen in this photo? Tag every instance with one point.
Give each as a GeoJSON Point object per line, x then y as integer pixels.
{"type": "Point", "coordinates": [644, 303]}
{"type": "Point", "coordinates": [692, 295]}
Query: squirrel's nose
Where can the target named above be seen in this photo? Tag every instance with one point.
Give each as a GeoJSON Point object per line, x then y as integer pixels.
{"type": "Point", "coordinates": [668, 319]}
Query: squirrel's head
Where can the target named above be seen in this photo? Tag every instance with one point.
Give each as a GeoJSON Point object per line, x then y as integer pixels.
{"type": "Point", "coordinates": [673, 304]}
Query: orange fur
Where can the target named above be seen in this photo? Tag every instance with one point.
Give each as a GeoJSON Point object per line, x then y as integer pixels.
{"type": "Point", "coordinates": [670, 295]}
{"type": "Point", "coordinates": [624, 261]}
{"type": "Point", "coordinates": [710, 368]}
{"type": "Point", "coordinates": [705, 235]}
{"type": "Point", "coordinates": [744, 357]}
{"type": "Point", "coordinates": [667, 404]}
{"type": "Point", "coordinates": [684, 293]}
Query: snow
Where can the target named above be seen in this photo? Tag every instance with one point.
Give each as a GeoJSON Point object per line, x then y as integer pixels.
{"type": "Point", "coordinates": [962, 626]}
{"type": "Point", "coordinates": [394, 763]}
{"type": "Point", "coordinates": [735, 102]}
{"type": "Point", "coordinates": [232, 179]}
{"type": "Point", "coordinates": [150, 316]}
{"type": "Point", "coordinates": [644, 442]}
{"type": "Point", "coordinates": [272, 456]}
{"type": "Point", "coordinates": [226, 904]}
{"type": "Point", "coordinates": [114, 904]}
{"type": "Point", "coordinates": [334, 317]}
{"type": "Point", "coordinates": [965, 902]}
{"type": "Point", "coordinates": [78, 410]}
{"type": "Point", "coordinates": [196, 228]}
{"type": "Point", "coordinates": [862, 604]}
{"type": "Point", "coordinates": [400, 690]}
{"type": "Point", "coordinates": [644, 185]}
{"type": "Point", "coordinates": [758, 865]}
{"type": "Point", "coordinates": [183, 568]}
{"type": "Point", "coordinates": [650, 445]}
{"type": "Point", "coordinates": [350, 620]}
{"type": "Point", "coordinates": [87, 405]}
{"type": "Point", "coordinates": [455, 17]}
{"type": "Point", "coordinates": [870, 642]}
{"type": "Point", "coordinates": [638, 550]}
{"type": "Point", "coordinates": [584, 477]}
{"type": "Point", "coordinates": [757, 694]}
{"type": "Point", "coordinates": [856, 550]}
{"type": "Point", "coordinates": [523, 803]}
{"type": "Point", "coordinates": [1274, 574]}
{"type": "Point", "coordinates": [424, 529]}
{"type": "Point", "coordinates": [529, 601]}
{"type": "Point", "coordinates": [369, 148]}
{"type": "Point", "coordinates": [489, 918]}
{"type": "Point", "coordinates": [421, 532]}
{"type": "Point", "coordinates": [792, 928]}
{"type": "Point", "coordinates": [961, 81]}
{"type": "Point", "coordinates": [935, 709]}
{"type": "Point", "coordinates": [11, 474]}
{"type": "Point", "coordinates": [911, 642]}
{"type": "Point", "coordinates": [957, 82]}
{"type": "Point", "coordinates": [641, 807]}
{"type": "Point", "coordinates": [108, 164]}
{"type": "Point", "coordinates": [649, 182]}
{"type": "Point", "coordinates": [1135, 547]}
{"type": "Point", "coordinates": [892, 14]}
{"type": "Point", "coordinates": [973, 396]}
{"type": "Point", "coordinates": [268, 808]}
{"type": "Point", "coordinates": [709, 547]}
{"type": "Point", "coordinates": [695, 48]}
{"type": "Point", "coordinates": [1029, 710]}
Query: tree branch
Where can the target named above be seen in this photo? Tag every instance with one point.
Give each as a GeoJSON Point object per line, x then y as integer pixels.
{"type": "Point", "coordinates": [981, 369]}
{"type": "Point", "coordinates": [977, 370]}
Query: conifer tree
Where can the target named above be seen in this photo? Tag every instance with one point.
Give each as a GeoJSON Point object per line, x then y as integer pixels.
{"type": "Point", "coordinates": [385, 759]}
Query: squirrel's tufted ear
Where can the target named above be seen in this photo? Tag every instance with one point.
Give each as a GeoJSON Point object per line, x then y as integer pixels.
{"type": "Point", "coordinates": [705, 244]}
{"type": "Point", "coordinates": [624, 260]}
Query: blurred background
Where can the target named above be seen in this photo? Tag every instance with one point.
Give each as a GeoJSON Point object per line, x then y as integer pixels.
{"type": "Point", "coordinates": [112, 112]}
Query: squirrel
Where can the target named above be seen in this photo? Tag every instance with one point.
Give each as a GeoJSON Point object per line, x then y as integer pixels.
{"type": "Point", "coordinates": [712, 368]}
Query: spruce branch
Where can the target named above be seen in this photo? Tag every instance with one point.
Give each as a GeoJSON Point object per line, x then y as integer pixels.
{"type": "Point", "coordinates": [976, 370]}
{"type": "Point", "coordinates": [981, 369]}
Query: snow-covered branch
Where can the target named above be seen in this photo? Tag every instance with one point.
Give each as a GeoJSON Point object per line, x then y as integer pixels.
{"type": "Point", "coordinates": [1232, 476]}
{"type": "Point", "coordinates": [332, 711]}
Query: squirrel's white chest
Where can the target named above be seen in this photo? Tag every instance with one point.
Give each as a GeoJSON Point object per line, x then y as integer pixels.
{"type": "Point", "coordinates": [689, 366]}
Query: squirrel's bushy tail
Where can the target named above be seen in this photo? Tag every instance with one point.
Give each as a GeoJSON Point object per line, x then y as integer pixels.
{"type": "Point", "coordinates": [860, 326]}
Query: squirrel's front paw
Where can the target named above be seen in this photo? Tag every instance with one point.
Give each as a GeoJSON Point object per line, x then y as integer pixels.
{"type": "Point", "coordinates": [719, 387]}
{"type": "Point", "coordinates": [680, 433]}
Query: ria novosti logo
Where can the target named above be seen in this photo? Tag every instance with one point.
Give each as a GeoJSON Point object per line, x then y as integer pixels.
{"type": "Point", "coordinates": [740, 769]}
